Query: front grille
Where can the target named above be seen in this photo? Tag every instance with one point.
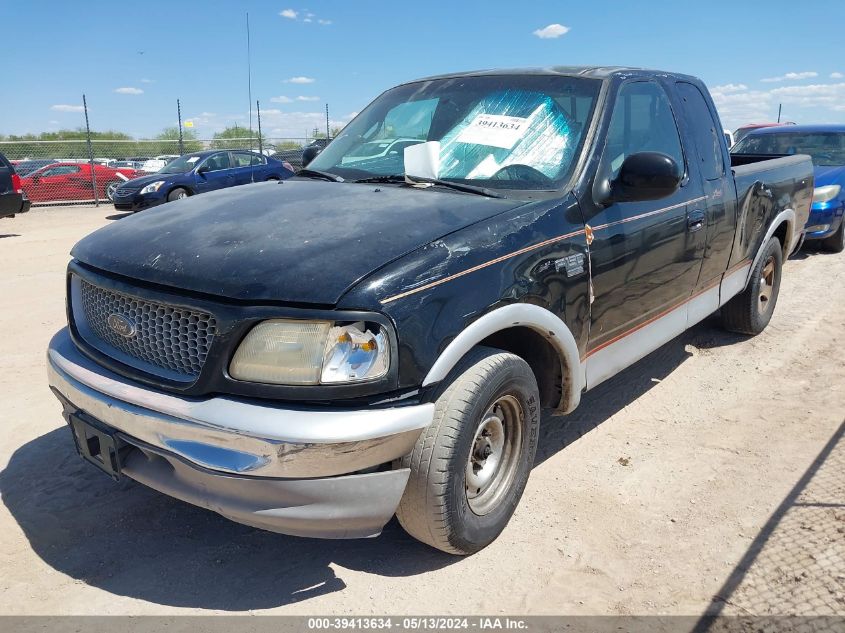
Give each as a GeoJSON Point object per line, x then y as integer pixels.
{"type": "Point", "coordinates": [159, 338]}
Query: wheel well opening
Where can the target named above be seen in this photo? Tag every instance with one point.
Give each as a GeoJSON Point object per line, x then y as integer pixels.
{"type": "Point", "coordinates": [541, 356]}
{"type": "Point", "coordinates": [781, 233]}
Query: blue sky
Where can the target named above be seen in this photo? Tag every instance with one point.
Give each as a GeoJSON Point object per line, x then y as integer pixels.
{"type": "Point", "coordinates": [134, 59]}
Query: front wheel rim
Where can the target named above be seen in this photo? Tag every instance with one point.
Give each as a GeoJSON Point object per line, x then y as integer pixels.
{"type": "Point", "coordinates": [494, 455]}
{"type": "Point", "coordinates": [110, 189]}
{"type": "Point", "coordinates": [767, 285]}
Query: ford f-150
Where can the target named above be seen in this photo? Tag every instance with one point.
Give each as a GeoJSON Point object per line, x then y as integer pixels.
{"type": "Point", "coordinates": [378, 336]}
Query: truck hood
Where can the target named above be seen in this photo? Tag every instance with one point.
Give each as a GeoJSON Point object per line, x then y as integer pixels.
{"type": "Point", "coordinates": [833, 175]}
{"type": "Point", "coordinates": [299, 241]}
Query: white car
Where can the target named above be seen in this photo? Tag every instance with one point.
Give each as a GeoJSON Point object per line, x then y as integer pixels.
{"type": "Point", "coordinates": [155, 164]}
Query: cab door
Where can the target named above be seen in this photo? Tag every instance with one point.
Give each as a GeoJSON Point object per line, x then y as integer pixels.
{"type": "Point", "coordinates": [645, 256]}
{"type": "Point", "coordinates": [706, 142]}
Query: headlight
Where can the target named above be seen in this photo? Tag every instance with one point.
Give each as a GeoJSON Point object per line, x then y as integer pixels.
{"type": "Point", "coordinates": [286, 352]}
{"type": "Point", "coordinates": [152, 187]}
{"type": "Point", "coordinates": [826, 193]}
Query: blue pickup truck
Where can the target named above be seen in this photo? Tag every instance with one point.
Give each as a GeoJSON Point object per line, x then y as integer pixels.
{"type": "Point", "coordinates": [378, 336]}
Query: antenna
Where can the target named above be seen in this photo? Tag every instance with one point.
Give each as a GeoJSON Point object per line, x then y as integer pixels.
{"type": "Point", "coordinates": [249, 77]}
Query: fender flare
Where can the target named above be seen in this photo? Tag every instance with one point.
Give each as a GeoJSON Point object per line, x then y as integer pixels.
{"type": "Point", "coordinates": [788, 216]}
{"type": "Point", "coordinates": [528, 315]}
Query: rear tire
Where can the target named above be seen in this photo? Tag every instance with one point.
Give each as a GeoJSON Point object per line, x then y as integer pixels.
{"type": "Point", "coordinates": [470, 466]}
{"type": "Point", "coordinates": [750, 311]}
{"type": "Point", "coordinates": [177, 194]}
{"type": "Point", "coordinates": [836, 242]}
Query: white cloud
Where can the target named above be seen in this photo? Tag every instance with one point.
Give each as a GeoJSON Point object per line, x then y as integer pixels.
{"type": "Point", "coordinates": [53, 122]}
{"type": "Point", "coordinates": [281, 99]}
{"type": "Point", "coordinates": [802, 102]}
{"type": "Point", "coordinates": [837, 76]}
{"type": "Point", "coordinates": [300, 80]}
{"type": "Point", "coordinates": [129, 91]}
{"type": "Point", "coordinates": [730, 88]}
{"type": "Point", "coordinates": [297, 124]}
{"type": "Point", "coordinates": [148, 81]}
{"type": "Point", "coordinates": [307, 20]}
{"type": "Point", "coordinates": [308, 98]}
{"type": "Point", "coordinates": [809, 74]}
{"type": "Point", "coordinates": [67, 108]}
{"type": "Point", "coordinates": [551, 31]}
{"type": "Point", "coordinates": [324, 22]}
{"type": "Point", "coordinates": [290, 14]}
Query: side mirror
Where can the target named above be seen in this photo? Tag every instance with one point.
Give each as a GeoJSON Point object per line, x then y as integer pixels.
{"type": "Point", "coordinates": [645, 176]}
{"type": "Point", "coordinates": [202, 169]}
{"type": "Point", "coordinates": [36, 178]}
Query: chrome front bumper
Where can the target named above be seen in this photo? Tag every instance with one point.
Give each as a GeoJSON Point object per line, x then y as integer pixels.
{"type": "Point", "coordinates": [282, 468]}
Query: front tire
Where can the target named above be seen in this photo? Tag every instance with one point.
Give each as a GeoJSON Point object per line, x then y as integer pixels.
{"type": "Point", "coordinates": [177, 194]}
{"type": "Point", "coordinates": [750, 311]}
{"type": "Point", "coordinates": [470, 466]}
{"type": "Point", "coordinates": [836, 242]}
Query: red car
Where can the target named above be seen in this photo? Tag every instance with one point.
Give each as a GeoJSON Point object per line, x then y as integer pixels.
{"type": "Point", "coordinates": [72, 181]}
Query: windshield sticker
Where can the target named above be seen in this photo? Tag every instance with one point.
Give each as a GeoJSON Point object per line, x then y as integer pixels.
{"type": "Point", "coordinates": [495, 130]}
{"type": "Point", "coordinates": [193, 159]}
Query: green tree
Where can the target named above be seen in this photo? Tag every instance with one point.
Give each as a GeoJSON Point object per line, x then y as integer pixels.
{"type": "Point", "coordinates": [169, 138]}
{"type": "Point", "coordinates": [321, 134]}
{"type": "Point", "coordinates": [236, 137]}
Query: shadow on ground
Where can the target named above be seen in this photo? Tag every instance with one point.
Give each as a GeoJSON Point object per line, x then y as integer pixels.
{"type": "Point", "coordinates": [129, 540]}
{"type": "Point", "coordinates": [794, 565]}
{"type": "Point", "coordinates": [9, 235]}
{"type": "Point", "coordinates": [118, 216]}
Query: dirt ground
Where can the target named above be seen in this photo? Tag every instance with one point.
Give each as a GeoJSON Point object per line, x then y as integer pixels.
{"type": "Point", "coordinates": [710, 477]}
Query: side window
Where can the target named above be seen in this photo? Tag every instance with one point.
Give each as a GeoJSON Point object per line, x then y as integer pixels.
{"type": "Point", "coordinates": [242, 159]}
{"type": "Point", "coordinates": [61, 170]}
{"type": "Point", "coordinates": [216, 162]}
{"type": "Point", "coordinates": [642, 121]}
{"type": "Point", "coordinates": [704, 131]}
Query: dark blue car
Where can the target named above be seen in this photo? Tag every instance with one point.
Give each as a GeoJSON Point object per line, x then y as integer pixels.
{"type": "Point", "coordinates": [196, 173]}
{"type": "Point", "coordinates": [826, 145]}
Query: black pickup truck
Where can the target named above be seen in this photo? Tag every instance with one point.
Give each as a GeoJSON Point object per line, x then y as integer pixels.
{"type": "Point", "coordinates": [379, 334]}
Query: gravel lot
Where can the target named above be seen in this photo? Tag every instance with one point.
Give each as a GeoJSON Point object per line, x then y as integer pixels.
{"type": "Point", "coordinates": [708, 477]}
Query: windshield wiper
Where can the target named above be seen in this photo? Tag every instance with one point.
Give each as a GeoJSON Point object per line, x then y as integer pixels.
{"type": "Point", "coordinates": [314, 173]}
{"type": "Point", "coordinates": [457, 186]}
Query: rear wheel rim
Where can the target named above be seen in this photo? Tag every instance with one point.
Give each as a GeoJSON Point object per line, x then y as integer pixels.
{"type": "Point", "coordinates": [767, 285]}
{"type": "Point", "coordinates": [494, 456]}
{"type": "Point", "coordinates": [181, 194]}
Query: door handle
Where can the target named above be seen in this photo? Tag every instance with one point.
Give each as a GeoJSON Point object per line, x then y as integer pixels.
{"type": "Point", "coordinates": [695, 221]}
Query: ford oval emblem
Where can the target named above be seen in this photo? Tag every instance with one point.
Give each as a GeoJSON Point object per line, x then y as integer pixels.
{"type": "Point", "coordinates": [121, 325]}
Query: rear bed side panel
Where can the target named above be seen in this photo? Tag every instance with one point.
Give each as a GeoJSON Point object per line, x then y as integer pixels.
{"type": "Point", "coordinates": [765, 190]}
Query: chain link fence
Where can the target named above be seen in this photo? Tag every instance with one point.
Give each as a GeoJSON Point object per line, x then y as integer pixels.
{"type": "Point", "coordinates": [83, 170]}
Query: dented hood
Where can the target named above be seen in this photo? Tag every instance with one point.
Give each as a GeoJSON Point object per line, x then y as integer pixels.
{"type": "Point", "coordinates": [300, 241]}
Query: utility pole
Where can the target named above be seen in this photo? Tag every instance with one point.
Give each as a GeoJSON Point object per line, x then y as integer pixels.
{"type": "Point", "coordinates": [249, 77]}
{"type": "Point", "coordinates": [179, 114]}
{"type": "Point", "coordinates": [780, 108]}
{"type": "Point", "coordinates": [328, 131]}
{"type": "Point", "coordinates": [90, 153]}
{"type": "Point", "coordinates": [258, 112]}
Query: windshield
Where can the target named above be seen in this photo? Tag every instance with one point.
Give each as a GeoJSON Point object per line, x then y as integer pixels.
{"type": "Point", "coordinates": [505, 132]}
{"type": "Point", "coordinates": [826, 148]}
{"type": "Point", "coordinates": [180, 165]}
